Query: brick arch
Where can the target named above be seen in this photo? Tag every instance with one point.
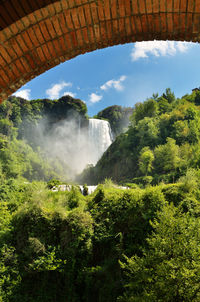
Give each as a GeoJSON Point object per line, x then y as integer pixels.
{"type": "Point", "coordinates": [38, 35]}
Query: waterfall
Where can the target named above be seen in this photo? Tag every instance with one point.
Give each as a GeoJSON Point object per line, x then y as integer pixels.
{"type": "Point", "coordinates": [100, 138]}
{"type": "Point", "coordinates": [76, 144]}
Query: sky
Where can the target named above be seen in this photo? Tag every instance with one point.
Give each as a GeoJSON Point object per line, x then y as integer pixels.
{"type": "Point", "coordinates": [121, 75]}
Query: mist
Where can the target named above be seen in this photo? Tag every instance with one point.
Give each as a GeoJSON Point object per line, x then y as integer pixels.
{"type": "Point", "coordinates": [73, 145]}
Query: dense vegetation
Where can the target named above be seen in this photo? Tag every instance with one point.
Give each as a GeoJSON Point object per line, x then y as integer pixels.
{"type": "Point", "coordinates": [28, 131]}
{"type": "Point", "coordinates": [117, 116]}
{"type": "Point", "coordinates": [139, 244]}
{"type": "Point", "coordinates": [114, 245]}
{"type": "Point", "coordinates": [22, 123]}
{"type": "Point", "coordinates": [161, 144]}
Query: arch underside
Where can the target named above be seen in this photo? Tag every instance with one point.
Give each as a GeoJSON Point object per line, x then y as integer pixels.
{"type": "Point", "coordinates": [38, 35]}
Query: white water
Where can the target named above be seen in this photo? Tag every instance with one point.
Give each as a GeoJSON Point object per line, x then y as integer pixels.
{"type": "Point", "coordinates": [75, 146]}
{"type": "Point", "coordinates": [91, 189]}
{"type": "Point", "coordinates": [100, 138]}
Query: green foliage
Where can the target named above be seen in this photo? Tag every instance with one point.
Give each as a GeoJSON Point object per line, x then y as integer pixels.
{"type": "Point", "coordinates": [146, 160]}
{"type": "Point", "coordinates": [147, 109]}
{"type": "Point", "coordinates": [169, 127]}
{"type": "Point", "coordinates": [79, 242]}
{"type": "Point", "coordinates": [136, 244]}
{"type": "Point", "coordinates": [85, 190]}
{"type": "Point", "coordinates": [20, 154]}
{"type": "Point", "coordinates": [53, 182]}
{"type": "Point", "coordinates": [167, 156]}
{"type": "Point", "coordinates": [169, 268]}
{"type": "Point", "coordinates": [117, 116]}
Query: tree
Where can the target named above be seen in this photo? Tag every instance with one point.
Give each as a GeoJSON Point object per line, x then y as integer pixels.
{"type": "Point", "coordinates": [147, 109]}
{"type": "Point", "coordinates": [169, 268]}
{"type": "Point", "coordinates": [169, 95]}
{"type": "Point", "coordinates": [148, 132]}
{"type": "Point", "coordinates": [181, 131]}
{"type": "Point", "coordinates": [146, 159]}
{"type": "Point", "coordinates": [167, 156]}
{"type": "Point", "coordinates": [6, 127]}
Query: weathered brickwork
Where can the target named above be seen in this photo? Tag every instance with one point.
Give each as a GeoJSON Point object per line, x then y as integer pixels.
{"type": "Point", "coordinates": [38, 35]}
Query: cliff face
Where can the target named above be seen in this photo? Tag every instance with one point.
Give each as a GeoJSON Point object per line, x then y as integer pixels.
{"type": "Point", "coordinates": [117, 116]}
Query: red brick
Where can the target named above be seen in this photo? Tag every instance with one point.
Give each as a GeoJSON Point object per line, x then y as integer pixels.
{"type": "Point", "coordinates": [101, 11]}
{"type": "Point", "coordinates": [41, 54]}
{"type": "Point", "coordinates": [138, 24]}
{"type": "Point", "coordinates": [20, 66]}
{"type": "Point", "coordinates": [157, 23]}
{"type": "Point", "coordinates": [189, 23]}
{"type": "Point", "coordinates": [85, 35]}
{"type": "Point", "coordinates": [149, 6]}
{"type": "Point", "coordinates": [135, 7]}
{"type": "Point", "coordinates": [176, 6]}
{"type": "Point", "coordinates": [196, 23]}
{"type": "Point", "coordinates": [156, 5]}
{"type": "Point", "coordinates": [150, 18]}
{"type": "Point", "coordinates": [51, 49]}
{"type": "Point", "coordinates": [46, 51]}
{"type": "Point", "coordinates": [121, 4]}
{"type": "Point", "coordinates": [63, 23]}
{"type": "Point", "coordinates": [50, 28]}
{"type": "Point", "coordinates": [197, 7]}
{"type": "Point", "coordinates": [183, 5]}
{"type": "Point", "coordinates": [170, 22]}
{"type": "Point", "coordinates": [107, 11]}
{"type": "Point", "coordinates": [191, 6]}
{"type": "Point", "coordinates": [56, 25]}
{"type": "Point", "coordinates": [163, 19]}
{"type": "Point", "coordinates": [127, 26]}
{"type": "Point", "coordinates": [79, 37]}
{"type": "Point", "coordinates": [93, 8]}
{"type": "Point", "coordinates": [88, 14]}
{"type": "Point", "coordinates": [162, 5]}
{"type": "Point", "coordinates": [170, 6]}
{"type": "Point", "coordinates": [142, 7]}
{"type": "Point", "coordinates": [81, 16]}
{"type": "Point", "coordinates": [73, 38]}
{"type": "Point", "coordinates": [69, 20]}
{"type": "Point", "coordinates": [36, 38]}
{"type": "Point", "coordinates": [75, 18]}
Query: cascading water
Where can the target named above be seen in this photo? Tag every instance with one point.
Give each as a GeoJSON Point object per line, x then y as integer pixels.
{"type": "Point", "coordinates": [100, 138]}
{"type": "Point", "coordinates": [76, 145]}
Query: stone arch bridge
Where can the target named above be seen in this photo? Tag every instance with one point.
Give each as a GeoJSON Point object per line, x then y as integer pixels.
{"type": "Point", "coordinates": [36, 35]}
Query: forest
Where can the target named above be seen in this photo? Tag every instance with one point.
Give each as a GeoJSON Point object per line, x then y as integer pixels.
{"type": "Point", "coordinates": [161, 144]}
{"type": "Point", "coordinates": [118, 245]}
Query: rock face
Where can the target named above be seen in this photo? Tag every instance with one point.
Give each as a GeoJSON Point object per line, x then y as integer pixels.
{"type": "Point", "coordinates": [38, 35]}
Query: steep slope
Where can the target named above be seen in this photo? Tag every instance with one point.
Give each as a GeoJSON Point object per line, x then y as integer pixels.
{"type": "Point", "coordinates": [161, 143]}
{"type": "Point", "coordinates": [117, 116]}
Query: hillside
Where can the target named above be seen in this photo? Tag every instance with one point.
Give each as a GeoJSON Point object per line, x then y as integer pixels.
{"type": "Point", "coordinates": [117, 116]}
{"type": "Point", "coordinates": [116, 245]}
{"type": "Point", "coordinates": [25, 131]}
{"type": "Point", "coordinates": [42, 139]}
{"type": "Point", "coordinates": [161, 144]}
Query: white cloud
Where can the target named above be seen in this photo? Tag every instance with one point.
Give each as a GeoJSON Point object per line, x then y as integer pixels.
{"type": "Point", "coordinates": [158, 48]}
{"type": "Point", "coordinates": [24, 93]}
{"type": "Point", "coordinates": [54, 91]}
{"type": "Point", "coordinates": [116, 84]}
{"type": "Point", "coordinates": [72, 94]}
{"type": "Point", "coordinates": [95, 98]}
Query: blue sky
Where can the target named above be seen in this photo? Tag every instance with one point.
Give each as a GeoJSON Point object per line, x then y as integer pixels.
{"type": "Point", "coordinates": [121, 75]}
